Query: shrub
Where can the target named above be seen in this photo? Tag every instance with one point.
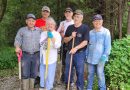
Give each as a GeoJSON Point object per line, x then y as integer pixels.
{"type": "Point", "coordinates": [118, 68]}
{"type": "Point", "coordinates": [8, 59]}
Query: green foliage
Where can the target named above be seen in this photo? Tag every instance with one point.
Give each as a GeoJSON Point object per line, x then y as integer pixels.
{"type": "Point", "coordinates": [129, 3]}
{"type": "Point", "coordinates": [8, 59]}
{"type": "Point", "coordinates": [118, 69]}
{"type": "Point", "coordinates": [8, 72]}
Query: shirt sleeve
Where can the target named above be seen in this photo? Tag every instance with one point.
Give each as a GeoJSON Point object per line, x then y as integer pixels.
{"type": "Point", "coordinates": [68, 32]}
{"type": "Point", "coordinates": [18, 38]}
{"type": "Point", "coordinates": [86, 35]}
{"type": "Point", "coordinates": [59, 28]}
{"type": "Point", "coordinates": [107, 43]}
{"type": "Point", "coordinates": [57, 43]}
{"type": "Point", "coordinates": [43, 37]}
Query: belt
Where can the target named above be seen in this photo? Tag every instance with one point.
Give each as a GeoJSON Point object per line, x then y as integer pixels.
{"type": "Point", "coordinates": [31, 52]}
{"type": "Point", "coordinates": [78, 51]}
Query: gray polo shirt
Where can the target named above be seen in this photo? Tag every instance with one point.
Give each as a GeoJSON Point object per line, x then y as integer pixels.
{"type": "Point", "coordinates": [28, 40]}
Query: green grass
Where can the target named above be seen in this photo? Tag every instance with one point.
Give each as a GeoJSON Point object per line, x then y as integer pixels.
{"type": "Point", "coordinates": [8, 72]}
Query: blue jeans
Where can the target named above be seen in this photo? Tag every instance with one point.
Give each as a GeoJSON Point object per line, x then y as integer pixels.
{"type": "Point", "coordinates": [48, 83]}
{"type": "Point", "coordinates": [30, 64]}
{"type": "Point", "coordinates": [99, 70]}
{"type": "Point", "coordinates": [78, 63]}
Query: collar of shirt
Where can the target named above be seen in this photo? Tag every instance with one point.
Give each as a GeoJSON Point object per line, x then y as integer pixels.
{"type": "Point", "coordinates": [100, 30]}
{"type": "Point", "coordinates": [35, 28]}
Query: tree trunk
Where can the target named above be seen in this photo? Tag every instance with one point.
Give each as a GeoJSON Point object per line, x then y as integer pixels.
{"type": "Point", "coordinates": [120, 19]}
{"type": "Point", "coordinates": [128, 29]}
{"type": "Point", "coordinates": [3, 4]}
{"type": "Point", "coordinates": [112, 20]}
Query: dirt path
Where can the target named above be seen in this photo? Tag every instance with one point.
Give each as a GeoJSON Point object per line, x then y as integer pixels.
{"type": "Point", "coordinates": [12, 83]}
{"type": "Point", "coordinates": [9, 83]}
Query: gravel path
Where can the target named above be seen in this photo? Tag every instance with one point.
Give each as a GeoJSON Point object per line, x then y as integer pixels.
{"type": "Point", "coordinates": [9, 83]}
{"type": "Point", "coordinates": [12, 83]}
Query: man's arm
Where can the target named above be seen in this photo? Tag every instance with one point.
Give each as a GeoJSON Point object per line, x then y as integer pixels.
{"type": "Point", "coordinates": [18, 41]}
{"type": "Point", "coordinates": [107, 43]}
{"type": "Point", "coordinates": [67, 39]}
{"type": "Point", "coordinates": [81, 45]}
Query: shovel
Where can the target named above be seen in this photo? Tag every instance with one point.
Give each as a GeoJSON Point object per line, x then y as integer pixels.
{"type": "Point", "coordinates": [19, 55]}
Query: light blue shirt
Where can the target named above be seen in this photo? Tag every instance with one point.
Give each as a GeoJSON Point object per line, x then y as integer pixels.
{"type": "Point", "coordinates": [99, 45]}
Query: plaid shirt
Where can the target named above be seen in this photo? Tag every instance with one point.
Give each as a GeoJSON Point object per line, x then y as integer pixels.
{"type": "Point", "coordinates": [28, 40]}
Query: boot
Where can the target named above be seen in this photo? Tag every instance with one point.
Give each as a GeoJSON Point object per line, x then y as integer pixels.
{"type": "Point", "coordinates": [25, 84]}
{"type": "Point", "coordinates": [31, 84]}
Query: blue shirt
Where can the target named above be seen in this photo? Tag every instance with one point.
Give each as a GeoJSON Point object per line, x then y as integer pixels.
{"type": "Point", "coordinates": [99, 45]}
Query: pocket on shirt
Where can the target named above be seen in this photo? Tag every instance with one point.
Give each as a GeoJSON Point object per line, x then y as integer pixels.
{"type": "Point", "coordinates": [100, 40]}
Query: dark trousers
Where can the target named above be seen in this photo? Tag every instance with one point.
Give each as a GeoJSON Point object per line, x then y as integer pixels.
{"type": "Point", "coordinates": [78, 63]}
{"type": "Point", "coordinates": [63, 57]}
{"type": "Point", "coordinates": [30, 64]}
{"type": "Point", "coordinates": [64, 51]}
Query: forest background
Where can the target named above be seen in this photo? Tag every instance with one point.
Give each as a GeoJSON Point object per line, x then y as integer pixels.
{"type": "Point", "coordinates": [116, 15]}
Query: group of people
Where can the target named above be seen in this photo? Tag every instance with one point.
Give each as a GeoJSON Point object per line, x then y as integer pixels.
{"type": "Point", "coordinates": [40, 40]}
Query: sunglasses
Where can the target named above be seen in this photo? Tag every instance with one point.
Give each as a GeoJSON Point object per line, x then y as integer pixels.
{"type": "Point", "coordinates": [67, 11]}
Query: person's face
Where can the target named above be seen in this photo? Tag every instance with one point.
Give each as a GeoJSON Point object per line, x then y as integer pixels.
{"type": "Point", "coordinates": [30, 22]}
{"type": "Point", "coordinates": [78, 18]}
{"type": "Point", "coordinates": [68, 15]}
{"type": "Point", "coordinates": [97, 24]}
{"type": "Point", "coordinates": [50, 25]}
{"type": "Point", "coordinates": [45, 14]}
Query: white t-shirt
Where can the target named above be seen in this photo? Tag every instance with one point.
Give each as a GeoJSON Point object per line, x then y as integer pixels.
{"type": "Point", "coordinates": [65, 23]}
{"type": "Point", "coordinates": [53, 54]}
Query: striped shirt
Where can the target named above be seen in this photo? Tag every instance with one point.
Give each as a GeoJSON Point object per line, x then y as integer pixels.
{"type": "Point", "coordinates": [28, 39]}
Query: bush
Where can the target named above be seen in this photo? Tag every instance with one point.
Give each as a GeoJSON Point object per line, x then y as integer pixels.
{"type": "Point", "coordinates": [8, 59]}
{"type": "Point", "coordinates": [118, 68]}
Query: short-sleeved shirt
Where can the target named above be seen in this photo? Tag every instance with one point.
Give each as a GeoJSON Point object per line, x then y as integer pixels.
{"type": "Point", "coordinates": [40, 23]}
{"type": "Point", "coordinates": [81, 35]}
{"type": "Point", "coordinates": [65, 23]}
{"type": "Point", "coordinates": [28, 39]}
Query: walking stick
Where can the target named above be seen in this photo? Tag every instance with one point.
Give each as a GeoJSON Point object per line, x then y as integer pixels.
{"type": "Point", "coordinates": [71, 58]}
{"type": "Point", "coordinates": [19, 55]}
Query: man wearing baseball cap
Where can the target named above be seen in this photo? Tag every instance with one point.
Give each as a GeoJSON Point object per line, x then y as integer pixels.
{"type": "Point", "coordinates": [68, 13]}
{"type": "Point", "coordinates": [27, 41]}
{"type": "Point", "coordinates": [80, 34]}
{"type": "Point", "coordinates": [41, 23]}
{"type": "Point", "coordinates": [97, 52]}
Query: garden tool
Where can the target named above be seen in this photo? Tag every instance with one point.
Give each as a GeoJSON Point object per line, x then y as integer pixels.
{"type": "Point", "coordinates": [71, 58]}
{"type": "Point", "coordinates": [47, 56]}
{"type": "Point", "coordinates": [19, 55]}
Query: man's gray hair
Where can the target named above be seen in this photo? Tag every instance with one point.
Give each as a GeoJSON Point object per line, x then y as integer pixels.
{"type": "Point", "coordinates": [50, 19]}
